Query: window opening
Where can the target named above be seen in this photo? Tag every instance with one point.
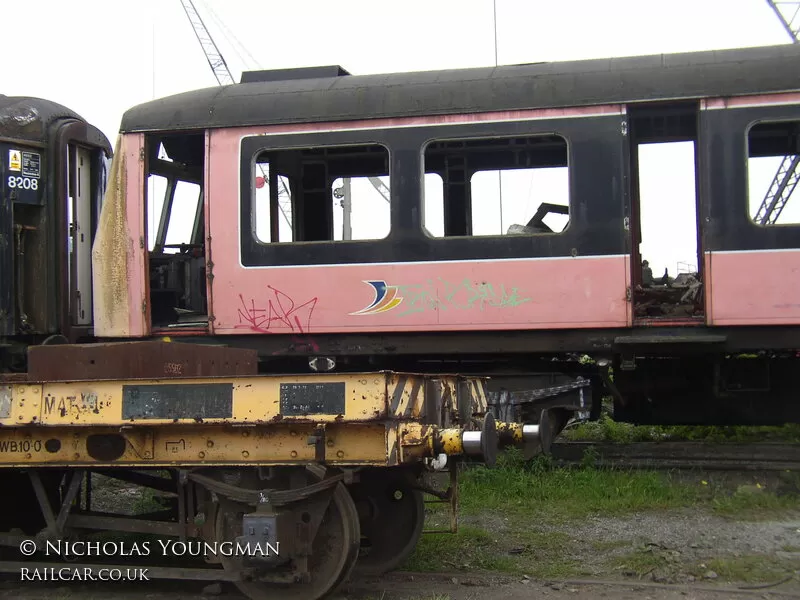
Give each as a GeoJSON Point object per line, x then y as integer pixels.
{"type": "Point", "coordinates": [183, 217]}
{"type": "Point", "coordinates": [773, 171]}
{"type": "Point", "coordinates": [497, 186]}
{"type": "Point", "coordinates": [322, 194]}
{"type": "Point", "coordinates": [668, 209]}
{"type": "Point", "coordinates": [433, 205]}
{"type": "Point", "coordinates": [176, 231]}
{"type": "Point", "coordinates": [361, 208]}
{"type": "Point", "coordinates": [156, 194]}
{"type": "Point", "coordinates": [667, 254]}
{"type": "Point", "coordinates": [262, 208]}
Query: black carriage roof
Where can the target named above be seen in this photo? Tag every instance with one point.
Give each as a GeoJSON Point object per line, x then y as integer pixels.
{"type": "Point", "coordinates": [27, 118]}
{"type": "Point", "coordinates": [330, 94]}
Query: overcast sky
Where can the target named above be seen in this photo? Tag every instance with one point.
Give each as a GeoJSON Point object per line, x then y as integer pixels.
{"type": "Point", "coordinates": [132, 52]}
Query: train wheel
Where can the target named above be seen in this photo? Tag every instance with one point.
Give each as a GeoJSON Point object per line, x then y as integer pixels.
{"type": "Point", "coordinates": [392, 517]}
{"type": "Point", "coordinates": [333, 553]}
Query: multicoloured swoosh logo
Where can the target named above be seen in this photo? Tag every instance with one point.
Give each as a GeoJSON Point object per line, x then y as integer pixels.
{"type": "Point", "coordinates": [386, 298]}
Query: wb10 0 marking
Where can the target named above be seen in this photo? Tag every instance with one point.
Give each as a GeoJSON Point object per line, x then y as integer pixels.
{"type": "Point", "coordinates": [20, 446]}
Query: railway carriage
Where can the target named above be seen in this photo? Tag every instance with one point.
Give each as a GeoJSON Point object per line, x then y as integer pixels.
{"type": "Point", "coordinates": [54, 166]}
{"type": "Point", "coordinates": [352, 221]}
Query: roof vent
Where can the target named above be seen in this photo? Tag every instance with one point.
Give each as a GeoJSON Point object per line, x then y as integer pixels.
{"type": "Point", "coordinates": [287, 74]}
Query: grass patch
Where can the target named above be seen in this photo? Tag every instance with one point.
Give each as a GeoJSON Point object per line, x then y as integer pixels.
{"type": "Point", "coordinates": [562, 494]}
{"type": "Point", "coordinates": [607, 430]}
{"type": "Point", "coordinates": [639, 562]}
{"type": "Point", "coordinates": [513, 550]}
{"type": "Point", "coordinates": [749, 569]}
{"type": "Point", "coordinates": [753, 503]}
{"type": "Point", "coordinates": [471, 547]}
{"type": "Point", "coordinates": [511, 516]}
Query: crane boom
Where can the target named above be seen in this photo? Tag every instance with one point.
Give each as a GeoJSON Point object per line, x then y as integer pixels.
{"type": "Point", "coordinates": [381, 187]}
{"type": "Point", "coordinates": [787, 22]}
{"type": "Point", "coordinates": [788, 174]}
{"type": "Point", "coordinates": [215, 60]}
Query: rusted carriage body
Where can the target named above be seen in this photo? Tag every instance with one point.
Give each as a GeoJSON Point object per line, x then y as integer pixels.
{"type": "Point", "coordinates": [276, 268]}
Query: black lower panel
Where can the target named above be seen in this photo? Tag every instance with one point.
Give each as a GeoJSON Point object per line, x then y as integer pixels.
{"type": "Point", "coordinates": [712, 391]}
{"type": "Point", "coordinates": [500, 343]}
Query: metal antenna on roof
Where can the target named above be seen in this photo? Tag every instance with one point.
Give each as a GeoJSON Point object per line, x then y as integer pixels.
{"type": "Point", "coordinates": [499, 173]}
{"type": "Point", "coordinates": [494, 7]}
{"type": "Point", "coordinates": [153, 54]}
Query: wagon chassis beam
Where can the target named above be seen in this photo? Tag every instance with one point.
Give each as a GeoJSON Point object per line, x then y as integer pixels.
{"type": "Point", "coordinates": [161, 484]}
{"type": "Point", "coordinates": [56, 524]}
{"type": "Point", "coordinates": [265, 496]}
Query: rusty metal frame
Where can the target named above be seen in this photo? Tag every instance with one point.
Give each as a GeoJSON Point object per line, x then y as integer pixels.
{"type": "Point", "coordinates": [450, 497]}
{"type": "Point", "coordinates": [55, 523]}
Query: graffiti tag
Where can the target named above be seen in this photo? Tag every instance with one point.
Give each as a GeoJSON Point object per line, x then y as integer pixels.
{"type": "Point", "coordinates": [277, 313]}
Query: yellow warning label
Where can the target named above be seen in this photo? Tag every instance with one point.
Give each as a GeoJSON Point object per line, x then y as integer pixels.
{"type": "Point", "coordinates": [14, 160]}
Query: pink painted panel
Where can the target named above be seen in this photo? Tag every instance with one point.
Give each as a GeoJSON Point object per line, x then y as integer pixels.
{"type": "Point", "coordinates": [754, 288]}
{"type": "Point", "coordinates": [756, 100]}
{"type": "Point", "coordinates": [509, 294]}
{"type": "Point", "coordinates": [512, 294]}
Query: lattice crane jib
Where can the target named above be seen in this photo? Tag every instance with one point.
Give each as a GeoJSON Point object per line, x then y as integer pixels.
{"type": "Point", "coordinates": [788, 174]}
{"type": "Point", "coordinates": [788, 12]}
{"type": "Point", "coordinates": [218, 65]}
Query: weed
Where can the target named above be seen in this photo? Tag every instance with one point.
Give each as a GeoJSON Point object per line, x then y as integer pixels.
{"type": "Point", "coordinates": [639, 562]}
{"type": "Point", "coordinates": [749, 569]}
{"type": "Point", "coordinates": [753, 503]}
{"type": "Point", "coordinates": [607, 430]}
{"type": "Point", "coordinates": [514, 511]}
{"type": "Point", "coordinates": [470, 548]}
{"type": "Point", "coordinates": [560, 494]}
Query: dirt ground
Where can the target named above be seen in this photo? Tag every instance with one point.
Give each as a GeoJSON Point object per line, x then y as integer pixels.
{"type": "Point", "coordinates": [687, 553]}
{"type": "Point", "coordinates": [675, 542]}
{"type": "Point", "coordinates": [417, 586]}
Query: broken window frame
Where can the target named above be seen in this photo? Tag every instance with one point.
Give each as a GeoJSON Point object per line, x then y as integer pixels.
{"type": "Point", "coordinates": [292, 186]}
{"type": "Point", "coordinates": [537, 217]}
{"type": "Point", "coordinates": [173, 174]}
{"type": "Point", "coordinates": [751, 217]}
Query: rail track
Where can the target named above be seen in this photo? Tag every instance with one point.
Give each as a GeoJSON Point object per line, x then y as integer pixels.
{"type": "Point", "coordinates": [681, 455]}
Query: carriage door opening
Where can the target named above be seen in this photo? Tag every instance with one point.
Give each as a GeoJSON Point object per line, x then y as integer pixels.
{"type": "Point", "coordinates": [174, 217]}
{"type": "Point", "coordinates": [79, 207]}
{"type": "Point", "coordinates": [666, 242]}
